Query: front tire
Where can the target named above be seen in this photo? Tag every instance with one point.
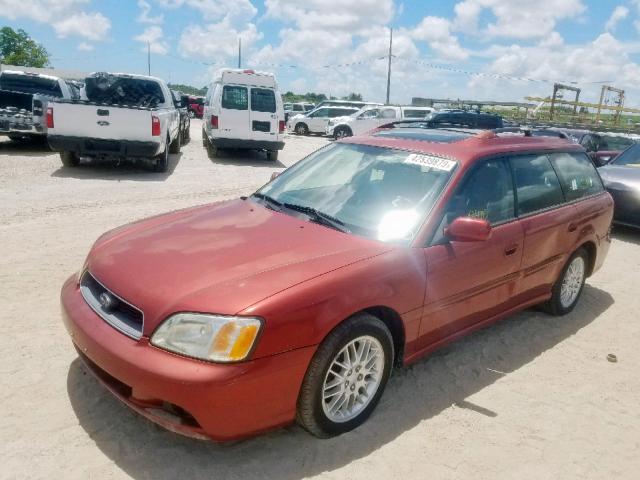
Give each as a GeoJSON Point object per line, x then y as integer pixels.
{"type": "Point", "coordinates": [346, 377]}
{"type": "Point", "coordinates": [69, 159]}
{"type": "Point", "coordinates": [568, 288]}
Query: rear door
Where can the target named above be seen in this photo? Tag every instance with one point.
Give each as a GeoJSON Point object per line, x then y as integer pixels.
{"type": "Point", "coordinates": [263, 116]}
{"type": "Point", "coordinates": [235, 119]}
{"type": "Point", "coordinates": [317, 121]}
{"type": "Point", "coordinates": [549, 223]}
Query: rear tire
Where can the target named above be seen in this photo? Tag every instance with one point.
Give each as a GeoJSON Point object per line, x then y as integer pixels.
{"type": "Point", "coordinates": [568, 288]}
{"type": "Point", "coordinates": [361, 348]}
{"type": "Point", "coordinates": [302, 129]}
{"type": "Point", "coordinates": [342, 132]}
{"type": "Point", "coordinates": [162, 161]}
{"type": "Point", "coordinates": [272, 155]}
{"type": "Point", "coordinates": [174, 147]}
{"type": "Point", "coordinates": [212, 150]}
{"type": "Point", "coordinates": [69, 159]}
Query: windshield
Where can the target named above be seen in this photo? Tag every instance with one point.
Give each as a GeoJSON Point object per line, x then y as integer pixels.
{"type": "Point", "coordinates": [30, 84]}
{"type": "Point", "coordinates": [630, 157]}
{"type": "Point", "coordinates": [375, 192]}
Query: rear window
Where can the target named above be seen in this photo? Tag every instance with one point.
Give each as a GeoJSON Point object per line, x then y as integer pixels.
{"type": "Point", "coordinates": [263, 100]}
{"type": "Point", "coordinates": [116, 90]}
{"type": "Point", "coordinates": [537, 185]}
{"type": "Point", "coordinates": [234, 98]}
{"type": "Point", "coordinates": [416, 113]}
{"type": "Point", "coordinates": [577, 175]}
{"type": "Point", "coordinates": [30, 84]}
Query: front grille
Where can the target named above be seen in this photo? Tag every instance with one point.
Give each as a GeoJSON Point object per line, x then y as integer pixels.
{"type": "Point", "coordinates": [114, 310]}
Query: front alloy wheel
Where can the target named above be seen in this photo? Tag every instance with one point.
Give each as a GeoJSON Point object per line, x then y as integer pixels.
{"type": "Point", "coordinates": [346, 377]}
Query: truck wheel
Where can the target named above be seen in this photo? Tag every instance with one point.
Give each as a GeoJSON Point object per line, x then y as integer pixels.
{"type": "Point", "coordinates": [302, 129]}
{"type": "Point", "coordinates": [174, 147]}
{"type": "Point", "coordinates": [212, 150]}
{"type": "Point", "coordinates": [272, 155]}
{"type": "Point", "coordinates": [187, 134]}
{"type": "Point", "coordinates": [162, 161]}
{"type": "Point", "coordinates": [69, 159]}
{"type": "Point", "coordinates": [342, 132]}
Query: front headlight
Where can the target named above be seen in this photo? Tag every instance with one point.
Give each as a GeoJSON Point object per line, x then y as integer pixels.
{"type": "Point", "coordinates": [215, 338]}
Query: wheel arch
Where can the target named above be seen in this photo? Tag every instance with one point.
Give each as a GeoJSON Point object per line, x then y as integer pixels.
{"type": "Point", "coordinates": [592, 251]}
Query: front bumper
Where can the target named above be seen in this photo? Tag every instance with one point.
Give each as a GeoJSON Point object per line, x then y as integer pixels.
{"type": "Point", "coordinates": [92, 147]}
{"type": "Point", "coordinates": [190, 397]}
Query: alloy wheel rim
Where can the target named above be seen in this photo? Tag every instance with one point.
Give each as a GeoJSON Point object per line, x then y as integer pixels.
{"type": "Point", "coordinates": [353, 378]}
{"type": "Point", "coordinates": [572, 282]}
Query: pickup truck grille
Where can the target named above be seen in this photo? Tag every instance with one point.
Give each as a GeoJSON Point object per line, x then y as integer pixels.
{"type": "Point", "coordinates": [114, 310]}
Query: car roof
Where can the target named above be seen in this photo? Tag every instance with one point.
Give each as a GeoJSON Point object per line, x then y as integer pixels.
{"type": "Point", "coordinates": [463, 144]}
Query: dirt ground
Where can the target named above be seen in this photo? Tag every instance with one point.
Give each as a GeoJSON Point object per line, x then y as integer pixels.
{"type": "Point", "coordinates": [531, 397]}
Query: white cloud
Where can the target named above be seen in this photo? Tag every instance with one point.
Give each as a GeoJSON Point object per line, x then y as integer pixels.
{"type": "Point", "coordinates": [145, 14]}
{"type": "Point", "coordinates": [90, 25]}
{"type": "Point", "coordinates": [619, 13]}
{"type": "Point", "coordinates": [522, 19]}
{"type": "Point", "coordinates": [93, 26]}
{"type": "Point", "coordinates": [153, 36]}
{"type": "Point", "coordinates": [234, 11]}
{"type": "Point", "coordinates": [85, 47]}
{"type": "Point", "coordinates": [216, 41]}
{"type": "Point", "coordinates": [436, 32]}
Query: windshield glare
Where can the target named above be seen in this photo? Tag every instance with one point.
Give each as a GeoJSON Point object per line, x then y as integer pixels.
{"type": "Point", "coordinates": [379, 193]}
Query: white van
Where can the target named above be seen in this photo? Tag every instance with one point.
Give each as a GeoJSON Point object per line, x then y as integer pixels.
{"type": "Point", "coordinates": [243, 109]}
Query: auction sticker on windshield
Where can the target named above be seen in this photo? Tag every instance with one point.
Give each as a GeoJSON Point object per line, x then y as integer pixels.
{"type": "Point", "coordinates": [430, 161]}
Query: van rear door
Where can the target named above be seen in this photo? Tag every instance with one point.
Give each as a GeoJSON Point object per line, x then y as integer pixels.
{"type": "Point", "coordinates": [234, 118]}
{"type": "Point", "coordinates": [264, 119]}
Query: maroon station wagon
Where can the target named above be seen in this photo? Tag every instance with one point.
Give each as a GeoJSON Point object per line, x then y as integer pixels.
{"type": "Point", "coordinates": [224, 320]}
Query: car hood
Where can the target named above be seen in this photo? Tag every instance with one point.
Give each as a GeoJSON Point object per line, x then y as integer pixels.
{"type": "Point", "coordinates": [219, 258]}
{"type": "Point", "coordinates": [620, 177]}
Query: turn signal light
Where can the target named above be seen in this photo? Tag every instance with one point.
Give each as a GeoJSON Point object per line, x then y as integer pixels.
{"type": "Point", "coordinates": [155, 126]}
{"type": "Point", "coordinates": [50, 117]}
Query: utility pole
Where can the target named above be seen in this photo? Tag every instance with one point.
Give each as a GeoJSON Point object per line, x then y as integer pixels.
{"type": "Point", "coordinates": [149, 58]}
{"type": "Point", "coordinates": [389, 65]}
{"type": "Point", "coordinates": [239, 52]}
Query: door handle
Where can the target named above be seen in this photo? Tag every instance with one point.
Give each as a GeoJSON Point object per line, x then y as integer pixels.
{"type": "Point", "coordinates": [573, 227]}
{"type": "Point", "coordinates": [511, 249]}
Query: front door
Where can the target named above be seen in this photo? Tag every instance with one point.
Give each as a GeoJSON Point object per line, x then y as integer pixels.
{"type": "Point", "coordinates": [468, 282]}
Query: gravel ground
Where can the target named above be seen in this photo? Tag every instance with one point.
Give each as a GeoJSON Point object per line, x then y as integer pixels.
{"type": "Point", "coordinates": [531, 397]}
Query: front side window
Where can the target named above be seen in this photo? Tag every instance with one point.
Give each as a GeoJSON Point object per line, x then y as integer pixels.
{"type": "Point", "coordinates": [263, 100]}
{"type": "Point", "coordinates": [615, 143]}
{"type": "Point", "coordinates": [630, 157]}
{"type": "Point", "coordinates": [234, 98]}
{"type": "Point", "coordinates": [373, 113]}
{"type": "Point", "coordinates": [486, 194]}
{"type": "Point", "coordinates": [320, 113]}
{"type": "Point", "coordinates": [379, 193]}
{"type": "Point", "coordinates": [537, 185]}
{"type": "Point", "coordinates": [577, 175]}
{"type": "Point", "coordinates": [388, 113]}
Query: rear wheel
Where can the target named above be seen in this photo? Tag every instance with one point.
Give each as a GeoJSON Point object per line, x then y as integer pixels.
{"type": "Point", "coordinates": [162, 160]}
{"type": "Point", "coordinates": [272, 155]}
{"type": "Point", "coordinates": [342, 132]}
{"type": "Point", "coordinates": [346, 377]}
{"type": "Point", "coordinates": [569, 286]}
{"type": "Point", "coordinates": [69, 159]}
{"type": "Point", "coordinates": [302, 129]}
{"type": "Point", "coordinates": [174, 147]}
{"type": "Point", "coordinates": [212, 150]}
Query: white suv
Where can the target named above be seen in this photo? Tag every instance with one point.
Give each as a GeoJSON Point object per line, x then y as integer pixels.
{"type": "Point", "coordinates": [369, 118]}
{"type": "Point", "coordinates": [317, 120]}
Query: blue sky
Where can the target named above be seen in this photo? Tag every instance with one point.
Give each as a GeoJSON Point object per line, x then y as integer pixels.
{"type": "Point", "coordinates": [483, 49]}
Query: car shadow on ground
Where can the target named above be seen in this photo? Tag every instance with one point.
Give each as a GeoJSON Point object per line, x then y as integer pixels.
{"type": "Point", "coordinates": [446, 378]}
{"type": "Point", "coordinates": [30, 148]}
{"type": "Point", "coordinates": [248, 158]}
{"type": "Point", "coordinates": [118, 170]}
{"type": "Point", "coordinates": [626, 234]}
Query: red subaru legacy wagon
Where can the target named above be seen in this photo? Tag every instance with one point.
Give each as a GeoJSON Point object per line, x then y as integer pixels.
{"type": "Point", "coordinates": [294, 304]}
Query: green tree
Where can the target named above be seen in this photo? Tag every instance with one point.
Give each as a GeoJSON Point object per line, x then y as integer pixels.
{"type": "Point", "coordinates": [354, 97]}
{"type": "Point", "coordinates": [18, 48]}
{"type": "Point", "coordinates": [188, 89]}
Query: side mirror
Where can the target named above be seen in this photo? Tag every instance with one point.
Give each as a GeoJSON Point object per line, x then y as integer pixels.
{"type": "Point", "coordinates": [468, 229]}
{"type": "Point", "coordinates": [274, 175]}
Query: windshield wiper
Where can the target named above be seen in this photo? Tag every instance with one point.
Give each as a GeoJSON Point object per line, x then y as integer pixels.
{"type": "Point", "coordinates": [319, 217]}
{"type": "Point", "coordinates": [270, 202]}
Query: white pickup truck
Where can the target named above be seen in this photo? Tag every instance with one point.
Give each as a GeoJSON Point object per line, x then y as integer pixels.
{"type": "Point", "coordinates": [118, 116]}
{"type": "Point", "coordinates": [369, 118]}
{"type": "Point", "coordinates": [23, 102]}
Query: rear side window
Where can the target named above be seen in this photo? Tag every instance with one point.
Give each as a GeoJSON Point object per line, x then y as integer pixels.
{"type": "Point", "coordinates": [263, 100]}
{"type": "Point", "coordinates": [537, 185]}
{"type": "Point", "coordinates": [339, 112]}
{"type": "Point", "coordinates": [234, 98]}
{"type": "Point", "coordinates": [415, 113]}
{"type": "Point", "coordinates": [577, 175]}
